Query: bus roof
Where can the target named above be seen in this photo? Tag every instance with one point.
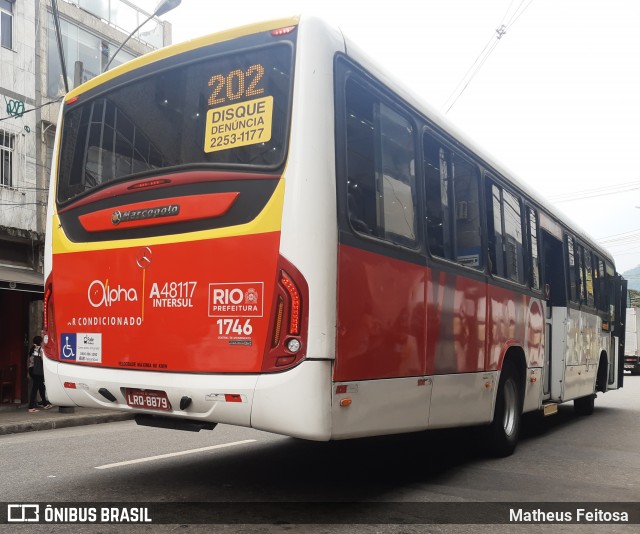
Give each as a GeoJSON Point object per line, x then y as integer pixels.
{"type": "Point", "coordinates": [181, 47]}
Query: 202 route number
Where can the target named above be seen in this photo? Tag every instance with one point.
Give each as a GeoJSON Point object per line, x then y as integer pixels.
{"type": "Point", "coordinates": [234, 326]}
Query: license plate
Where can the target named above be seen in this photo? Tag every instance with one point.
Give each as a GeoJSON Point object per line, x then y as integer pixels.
{"type": "Point", "coordinates": [150, 399]}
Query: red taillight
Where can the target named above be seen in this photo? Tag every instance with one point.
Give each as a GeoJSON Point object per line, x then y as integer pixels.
{"type": "Point", "coordinates": [47, 295]}
{"type": "Point", "coordinates": [49, 328]}
{"type": "Point", "coordinates": [287, 343]}
{"type": "Point", "coordinates": [283, 31]}
{"type": "Point", "coordinates": [72, 100]}
{"type": "Point", "coordinates": [294, 295]}
{"type": "Point", "coordinates": [149, 183]}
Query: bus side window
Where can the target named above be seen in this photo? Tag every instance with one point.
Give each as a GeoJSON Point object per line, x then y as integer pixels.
{"type": "Point", "coordinates": [579, 251]}
{"type": "Point", "coordinates": [452, 205]}
{"type": "Point", "coordinates": [468, 243]}
{"type": "Point", "coordinates": [603, 301]}
{"type": "Point", "coordinates": [495, 229]}
{"type": "Point", "coordinates": [436, 185]}
{"type": "Point", "coordinates": [534, 256]}
{"type": "Point", "coordinates": [574, 282]}
{"type": "Point", "coordinates": [381, 185]}
{"type": "Point", "coordinates": [396, 173]}
{"type": "Point", "coordinates": [361, 200]}
{"type": "Point", "coordinates": [513, 237]}
{"type": "Point", "coordinates": [504, 227]}
{"type": "Point", "coordinates": [588, 271]}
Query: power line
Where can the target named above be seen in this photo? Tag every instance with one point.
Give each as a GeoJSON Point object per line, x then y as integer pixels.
{"type": "Point", "coordinates": [486, 52]}
{"type": "Point", "coordinates": [32, 109]}
{"type": "Point", "coordinates": [596, 192]}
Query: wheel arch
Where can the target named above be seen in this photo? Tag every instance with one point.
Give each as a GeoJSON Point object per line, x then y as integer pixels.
{"type": "Point", "coordinates": [602, 376]}
{"type": "Point", "coordinates": [514, 356]}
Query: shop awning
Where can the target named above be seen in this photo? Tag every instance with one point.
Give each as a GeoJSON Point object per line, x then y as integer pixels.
{"type": "Point", "coordinates": [21, 279]}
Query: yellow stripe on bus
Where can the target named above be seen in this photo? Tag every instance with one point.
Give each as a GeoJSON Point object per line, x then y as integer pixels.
{"type": "Point", "coordinates": [269, 220]}
{"type": "Point", "coordinates": [179, 48]}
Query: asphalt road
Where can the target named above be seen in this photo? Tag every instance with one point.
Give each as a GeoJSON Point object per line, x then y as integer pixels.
{"type": "Point", "coordinates": [564, 458]}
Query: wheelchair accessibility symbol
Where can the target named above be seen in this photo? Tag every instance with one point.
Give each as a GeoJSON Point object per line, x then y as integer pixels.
{"type": "Point", "coordinates": [68, 347]}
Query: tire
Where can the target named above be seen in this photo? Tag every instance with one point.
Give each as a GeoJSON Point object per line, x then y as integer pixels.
{"type": "Point", "coordinates": [503, 432]}
{"type": "Point", "coordinates": [584, 405]}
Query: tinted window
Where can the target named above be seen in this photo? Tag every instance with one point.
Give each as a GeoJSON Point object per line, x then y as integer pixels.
{"type": "Point", "coordinates": [506, 245]}
{"type": "Point", "coordinates": [574, 285]}
{"type": "Point", "coordinates": [588, 279]}
{"type": "Point", "coordinates": [380, 168]}
{"type": "Point", "coordinates": [228, 111]}
{"type": "Point", "coordinates": [452, 205]}
{"type": "Point", "coordinates": [513, 237]}
{"type": "Point", "coordinates": [533, 249]}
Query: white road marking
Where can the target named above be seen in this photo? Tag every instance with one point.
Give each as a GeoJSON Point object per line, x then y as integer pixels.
{"type": "Point", "coordinates": [172, 454]}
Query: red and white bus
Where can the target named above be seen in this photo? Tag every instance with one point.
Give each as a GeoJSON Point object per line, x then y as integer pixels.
{"type": "Point", "coordinates": [262, 228]}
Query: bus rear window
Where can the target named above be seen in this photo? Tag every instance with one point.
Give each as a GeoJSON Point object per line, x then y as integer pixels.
{"type": "Point", "coordinates": [226, 111]}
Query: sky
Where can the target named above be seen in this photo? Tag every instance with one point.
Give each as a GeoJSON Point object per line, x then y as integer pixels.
{"type": "Point", "coordinates": [556, 99]}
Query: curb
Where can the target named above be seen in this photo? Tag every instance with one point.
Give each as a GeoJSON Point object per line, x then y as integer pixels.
{"type": "Point", "coordinates": [62, 422]}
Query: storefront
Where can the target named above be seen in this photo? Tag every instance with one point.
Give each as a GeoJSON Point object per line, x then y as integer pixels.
{"type": "Point", "coordinates": [21, 292]}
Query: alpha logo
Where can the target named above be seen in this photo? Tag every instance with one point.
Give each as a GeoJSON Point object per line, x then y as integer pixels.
{"type": "Point", "coordinates": [101, 294]}
{"type": "Point", "coordinates": [169, 210]}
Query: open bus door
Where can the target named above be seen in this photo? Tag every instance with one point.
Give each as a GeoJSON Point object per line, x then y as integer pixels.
{"type": "Point", "coordinates": [618, 306]}
{"type": "Point", "coordinates": [555, 294]}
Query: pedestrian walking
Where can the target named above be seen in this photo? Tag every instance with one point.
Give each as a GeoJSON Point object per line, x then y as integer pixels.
{"type": "Point", "coordinates": [35, 371]}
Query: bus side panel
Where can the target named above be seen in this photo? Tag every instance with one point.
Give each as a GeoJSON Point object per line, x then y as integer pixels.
{"type": "Point", "coordinates": [514, 319]}
{"type": "Point", "coordinates": [381, 317]}
{"type": "Point", "coordinates": [370, 412]}
{"type": "Point", "coordinates": [456, 326]}
{"type": "Point", "coordinates": [583, 348]}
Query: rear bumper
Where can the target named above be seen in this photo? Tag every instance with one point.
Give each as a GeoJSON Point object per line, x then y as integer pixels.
{"type": "Point", "coordinates": [295, 402]}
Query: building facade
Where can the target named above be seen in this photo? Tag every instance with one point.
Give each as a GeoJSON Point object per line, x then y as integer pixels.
{"type": "Point", "coordinates": [32, 83]}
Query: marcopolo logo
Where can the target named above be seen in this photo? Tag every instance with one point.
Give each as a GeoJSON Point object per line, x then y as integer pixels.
{"type": "Point", "coordinates": [102, 294]}
{"type": "Point", "coordinates": [118, 216]}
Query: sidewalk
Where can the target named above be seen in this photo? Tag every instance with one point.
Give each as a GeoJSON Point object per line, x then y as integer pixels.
{"type": "Point", "coordinates": [15, 419]}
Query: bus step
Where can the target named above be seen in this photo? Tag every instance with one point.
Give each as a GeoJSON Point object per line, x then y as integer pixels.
{"type": "Point", "coordinates": [550, 408]}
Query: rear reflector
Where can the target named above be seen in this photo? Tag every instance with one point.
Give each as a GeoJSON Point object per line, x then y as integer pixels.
{"type": "Point", "coordinates": [232, 397]}
{"type": "Point", "coordinates": [285, 360]}
{"type": "Point", "coordinates": [70, 385]}
{"type": "Point", "coordinates": [278, 323]}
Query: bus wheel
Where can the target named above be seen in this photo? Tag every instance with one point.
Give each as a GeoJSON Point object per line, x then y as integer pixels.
{"type": "Point", "coordinates": [504, 429]}
{"type": "Point", "coordinates": [584, 405]}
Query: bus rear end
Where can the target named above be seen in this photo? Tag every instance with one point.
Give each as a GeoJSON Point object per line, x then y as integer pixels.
{"type": "Point", "coordinates": [166, 291]}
